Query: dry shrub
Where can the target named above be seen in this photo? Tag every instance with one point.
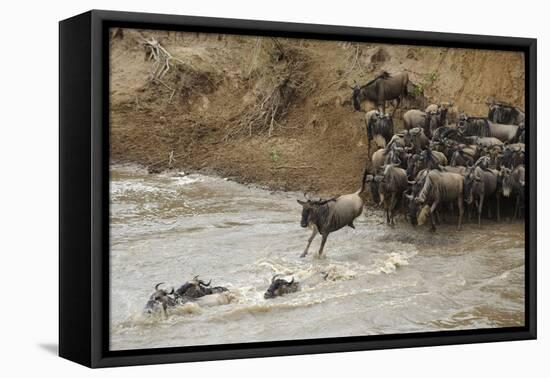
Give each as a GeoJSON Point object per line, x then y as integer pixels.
{"type": "Point", "coordinates": [279, 83]}
{"type": "Point", "coordinates": [181, 78]}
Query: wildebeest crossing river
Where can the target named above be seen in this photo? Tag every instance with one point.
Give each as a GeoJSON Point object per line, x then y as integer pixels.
{"type": "Point", "coordinates": [379, 280]}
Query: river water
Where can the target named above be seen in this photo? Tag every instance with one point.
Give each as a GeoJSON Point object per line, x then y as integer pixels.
{"type": "Point", "coordinates": [380, 280]}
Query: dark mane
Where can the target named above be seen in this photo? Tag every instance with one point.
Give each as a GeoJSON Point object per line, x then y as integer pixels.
{"type": "Point", "coordinates": [383, 75]}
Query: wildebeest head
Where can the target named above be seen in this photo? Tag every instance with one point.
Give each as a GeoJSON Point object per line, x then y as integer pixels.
{"type": "Point", "coordinates": [356, 97]}
{"type": "Point", "coordinates": [309, 209]}
{"type": "Point", "coordinates": [507, 181]}
{"type": "Point", "coordinates": [373, 186]}
{"type": "Point", "coordinates": [413, 164]}
{"type": "Point", "coordinates": [159, 300]}
{"type": "Point", "coordinates": [280, 286]}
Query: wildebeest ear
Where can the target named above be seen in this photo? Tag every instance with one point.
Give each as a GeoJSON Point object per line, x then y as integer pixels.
{"type": "Point", "coordinates": [301, 202]}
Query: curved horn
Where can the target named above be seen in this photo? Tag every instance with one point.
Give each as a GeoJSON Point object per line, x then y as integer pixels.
{"type": "Point", "coordinates": [291, 282]}
{"type": "Point", "coordinates": [205, 284]}
{"type": "Point", "coordinates": [172, 291]}
{"type": "Point", "coordinates": [157, 285]}
{"type": "Point", "coordinates": [275, 276]}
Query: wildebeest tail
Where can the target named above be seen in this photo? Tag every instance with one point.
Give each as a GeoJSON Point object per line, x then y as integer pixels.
{"type": "Point", "coordinates": [365, 173]}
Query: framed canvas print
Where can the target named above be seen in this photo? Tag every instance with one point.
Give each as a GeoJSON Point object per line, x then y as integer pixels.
{"type": "Point", "coordinates": [233, 188]}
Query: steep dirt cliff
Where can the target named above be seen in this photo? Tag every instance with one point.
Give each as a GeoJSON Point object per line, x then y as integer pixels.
{"type": "Point", "coordinates": [277, 112]}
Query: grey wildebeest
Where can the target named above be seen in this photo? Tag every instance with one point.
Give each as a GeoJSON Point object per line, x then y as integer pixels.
{"type": "Point", "coordinates": [391, 186]}
{"type": "Point", "coordinates": [435, 120]}
{"type": "Point", "coordinates": [280, 286]}
{"type": "Point", "coordinates": [160, 300]}
{"type": "Point", "coordinates": [460, 158]}
{"type": "Point", "coordinates": [513, 184]}
{"type": "Point", "coordinates": [416, 118]}
{"type": "Point", "coordinates": [384, 87]}
{"type": "Point", "coordinates": [479, 186]}
{"type": "Point", "coordinates": [506, 114]}
{"type": "Point", "coordinates": [416, 138]}
{"type": "Point", "coordinates": [439, 187]}
{"type": "Point", "coordinates": [379, 128]}
{"type": "Point", "coordinates": [479, 126]}
{"type": "Point", "coordinates": [326, 216]}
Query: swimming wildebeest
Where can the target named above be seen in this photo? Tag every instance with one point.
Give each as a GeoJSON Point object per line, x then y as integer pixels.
{"type": "Point", "coordinates": [479, 186]}
{"type": "Point", "coordinates": [280, 286]}
{"type": "Point", "coordinates": [391, 186]}
{"type": "Point", "coordinates": [160, 299]}
{"type": "Point", "coordinates": [513, 184]}
{"type": "Point", "coordinates": [384, 87]}
{"type": "Point", "coordinates": [326, 216]}
{"type": "Point", "coordinates": [379, 128]}
{"type": "Point", "coordinates": [195, 289]}
{"type": "Point", "coordinates": [439, 187]}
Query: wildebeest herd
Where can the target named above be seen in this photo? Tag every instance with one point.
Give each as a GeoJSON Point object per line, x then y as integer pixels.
{"type": "Point", "coordinates": [432, 169]}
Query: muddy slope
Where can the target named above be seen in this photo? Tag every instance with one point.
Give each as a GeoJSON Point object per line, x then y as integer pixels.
{"type": "Point", "coordinates": [277, 112]}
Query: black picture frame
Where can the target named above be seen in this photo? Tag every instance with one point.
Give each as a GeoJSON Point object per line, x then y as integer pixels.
{"type": "Point", "coordinates": [84, 180]}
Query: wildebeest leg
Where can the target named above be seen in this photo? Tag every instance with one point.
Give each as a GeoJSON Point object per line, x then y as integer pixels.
{"type": "Point", "coordinates": [396, 106]}
{"type": "Point", "coordinates": [393, 203]}
{"type": "Point", "coordinates": [323, 241]}
{"type": "Point", "coordinates": [309, 242]}
{"type": "Point", "coordinates": [498, 207]}
{"type": "Point", "coordinates": [460, 211]}
{"type": "Point", "coordinates": [516, 210]}
{"type": "Point", "coordinates": [432, 211]}
{"type": "Point", "coordinates": [479, 210]}
{"type": "Point", "coordinates": [350, 224]}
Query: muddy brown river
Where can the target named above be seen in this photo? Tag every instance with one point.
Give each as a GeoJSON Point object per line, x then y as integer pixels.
{"type": "Point", "coordinates": [379, 280]}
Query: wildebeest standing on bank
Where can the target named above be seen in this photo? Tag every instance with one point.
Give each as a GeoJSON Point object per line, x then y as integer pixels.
{"type": "Point", "coordinates": [326, 216]}
{"type": "Point", "coordinates": [506, 114]}
{"type": "Point", "coordinates": [379, 128]}
{"type": "Point", "coordinates": [479, 126]}
{"type": "Point", "coordinates": [479, 186]}
{"type": "Point", "coordinates": [391, 187]}
{"type": "Point", "coordinates": [383, 88]}
{"type": "Point", "coordinates": [513, 184]}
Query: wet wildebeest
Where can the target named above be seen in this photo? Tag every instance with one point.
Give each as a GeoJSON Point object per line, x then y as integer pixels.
{"type": "Point", "coordinates": [391, 186]}
{"type": "Point", "coordinates": [383, 88]}
{"type": "Point", "coordinates": [326, 216]}
{"type": "Point", "coordinates": [160, 299]}
{"type": "Point", "coordinates": [479, 126]}
{"type": "Point", "coordinates": [513, 184]}
{"type": "Point", "coordinates": [379, 128]}
{"type": "Point", "coordinates": [439, 187]}
{"type": "Point", "coordinates": [280, 287]}
{"type": "Point", "coordinates": [506, 114]}
{"type": "Point", "coordinates": [479, 186]}
{"type": "Point", "coordinates": [195, 289]}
